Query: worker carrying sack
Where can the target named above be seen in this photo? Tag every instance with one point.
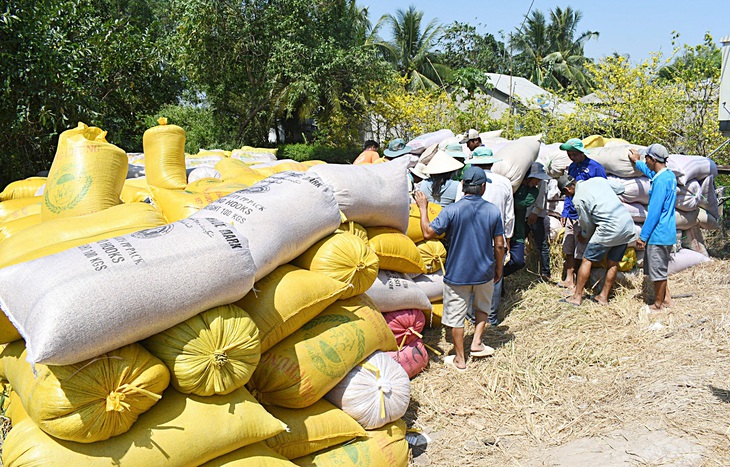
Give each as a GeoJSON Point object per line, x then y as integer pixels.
{"type": "Point", "coordinates": [76, 304]}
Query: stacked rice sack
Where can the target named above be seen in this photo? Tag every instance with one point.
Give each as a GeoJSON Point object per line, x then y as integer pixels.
{"type": "Point", "coordinates": [696, 207]}
{"type": "Point", "coordinates": [184, 323]}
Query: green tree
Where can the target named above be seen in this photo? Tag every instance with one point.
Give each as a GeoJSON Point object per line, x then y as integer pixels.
{"type": "Point", "coordinates": [551, 54]}
{"type": "Point", "coordinates": [411, 51]}
{"type": "Point", "coordinates": [261, 64]}
{"type": "Point", "coordinates": [66, 61]}
{"type": "Point", "coordinates": [461, 46]}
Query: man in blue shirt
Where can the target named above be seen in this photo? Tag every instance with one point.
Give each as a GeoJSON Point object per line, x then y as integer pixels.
{"type": "Point", "coordinates": [474, 230]}
{"type": "Point", "coordinates": [581, 168]}
{"type": "Point", "coordinates": [659, 232]}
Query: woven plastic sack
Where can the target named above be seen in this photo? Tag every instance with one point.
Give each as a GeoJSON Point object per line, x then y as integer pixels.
{"type": "Point", "coordinates": [432, 285]}
{"type": "Point", "coordinates": [707, 221]}
{"type": "Point", "coordinates": [406, 325]}
{"type": "Point", "coordinates": [615, 160]}
{"type": "Point", "coordinates": [254, 455]}
{"type": "Point", "coordinates": [344, 257]}
{"type": "Point", "coordinates": [302, 368]}
{"type": "Point", "coordinates": [251, 155]}
{"type": "Point", "coordinates": [637, 211]}
{"type": "Point", "coordinates": [636, 190]}
{"type": "Point", "coordinates": [594, 141]}
{"type": "Point", "coordinates": [10, 228]}
{"type": "Point", "coordinates": [554, 159]}
{"type": "Point", "coordinates": [516, 159]}
{"type": "Point", "coordinates": [22, 188]}
{"type": "Point", "coordinates": [420, 143]}
{"type": "Point", "coordinates": [354, 228]}
{"type": "Point", "coordinates": [370, 194]}
{"type": "Point", "coordinates": [364, 453]}
{"type": "Point", "coordinates": [394, 291]}
{"type": "Point", "coordinates": [708, 197]}
{"type": "Point", "coordinates": [688, 196]}
{"type": "Point", "coordinates": [284, 300]}
{"type": "Point", "coordinates": [685, 220]}
{"type": "Point", "coordinates": [176, 204]}
{"type": "Point", "coordinates": [282, 165]}
{"type": "Point", "coordinates": [433, 317]}
{"type": "Point", "coordinates": [132, 192]}
{"type": "Point", "coordinates": [685, 259]}
{"type": "Point", "coordinates": [413, 357]}
{"type": "Point", "coordinates": [395, 250]}
{"type": "Point", "coordinates": [214, 352]}
{"type": "Point", "coordinates": [688, 168]}
{"type": "Point", "coordinates": [17, 208]}
{"type": "Point", "coordinates": [414, 220]}
{"type": "Point", "coordinates": [14, 410]}
{"type": "Point", "coordinates": [86, 176]}
{"type": "Point", "coordinates": [205, 158]}
{"type": "Point", "coordinates": [312, 429]}
{"type": "Point", "coordinates": [62, 234]}
{"type": "Point", "coordinates": [392, 441]}
{"type": "Point", "coordinates": [164, 151]}
{"type": "Point", "coordinates": [281, 216]}
{"type": "Point", "coordinates": [90, 401]}
{"type": "Point", "coordinates": [374, 393]}
{"type": "Point", "coordinates": [178, 430]}
{"type": "Point", "coordinates": [75, 305]}
{"type": "Point", "coordinates": [433, 254]}
{"type": "Point", "coordinates": [203, 173]}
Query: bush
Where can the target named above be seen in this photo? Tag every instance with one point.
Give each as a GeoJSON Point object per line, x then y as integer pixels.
{"type": "Point", "coordinates": [308, 152]}
{"type": "Point", "coordinates": [201, 130]}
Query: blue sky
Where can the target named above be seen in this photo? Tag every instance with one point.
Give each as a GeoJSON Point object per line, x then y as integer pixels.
{"type": "Point", "coordinates": [635, 27]}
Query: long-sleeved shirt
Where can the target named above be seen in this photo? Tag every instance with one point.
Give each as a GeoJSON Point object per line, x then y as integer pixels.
{"type": "Point", "coordinates": [498, 191]}
{"type": "Point", "coordinates": [584, 170]}
{"type": "Point", "coordinates": [660, 226]}
{"type": "Point", "coordinates": [540, 206]}
{"type": "Point", "coordinates": [524, 199]}
{"type": "Point", "coordinates": [601, 214]}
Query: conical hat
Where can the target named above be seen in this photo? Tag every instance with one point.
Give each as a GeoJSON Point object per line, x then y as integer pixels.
{"type": "Point", "coordinates": [442, 163]}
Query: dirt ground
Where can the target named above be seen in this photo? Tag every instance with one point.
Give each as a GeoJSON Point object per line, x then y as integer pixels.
{"type": "Point", "coordinates": [594, 385]}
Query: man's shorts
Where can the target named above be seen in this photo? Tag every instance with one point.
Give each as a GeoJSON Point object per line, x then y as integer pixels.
{"type": "Point", "coordinates": [571, 245]}
{"type": "Point", "coordinates": [456, 302]}
{"type": "Point", "coordinates": [656, 261]}
{"type": "Point", "coordinates": [595, 252]}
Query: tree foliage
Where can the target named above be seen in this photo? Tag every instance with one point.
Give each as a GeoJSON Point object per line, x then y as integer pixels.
{"type": "Point", "coordinates": [461, 46]}
{"type": "Point", "coordinates": [64, 61]}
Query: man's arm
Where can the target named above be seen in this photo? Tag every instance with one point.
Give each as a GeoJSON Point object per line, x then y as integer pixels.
{"type": "Point", "coordinates": [422, 203]}
{"type": "Point", "coordinates": [635, 157]}
{"type": "Point", "coordinates": [498, 257]}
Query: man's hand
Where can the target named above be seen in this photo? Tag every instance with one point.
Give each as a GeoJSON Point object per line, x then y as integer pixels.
{"type": "Point", "coordinates": [640, 244]}
{"type": "Point", "coordinates": [634, 155]}
{"type": "Point", "coordinates": [532, 218]}
{"type": "Point", "coordinates": [421, 199]}
{"type": "Point", "coordinates": [563, 220]}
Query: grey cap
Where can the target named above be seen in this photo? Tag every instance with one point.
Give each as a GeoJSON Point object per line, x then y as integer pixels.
{"type": "Point", "coordinates": [657, 152]}
{"type": "Point", "coordinates": [564, 181]}
{"type": "Point", "coordinates": [537, 170]}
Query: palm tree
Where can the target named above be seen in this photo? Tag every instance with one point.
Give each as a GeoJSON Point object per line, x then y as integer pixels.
{"type": "Point", "coordinates": [550, 54]}
{"type": "Point", "coordinates": [410, 51]}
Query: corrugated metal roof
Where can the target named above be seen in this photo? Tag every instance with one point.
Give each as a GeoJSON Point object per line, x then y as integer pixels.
{"type": "Point", "coordinates": [529, 94]}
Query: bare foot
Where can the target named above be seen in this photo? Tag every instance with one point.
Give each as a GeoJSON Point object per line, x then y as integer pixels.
{"type": "Point", "coordinates": [655, 309]}
{"type": "Point", "coordinates": [567, 284]}
{"type": "Point", "coordinates": [574, 301]}
{"type": "Point", "coordinates": [600, 300]}
{"type": "Point", "coordinates": [668, 304]}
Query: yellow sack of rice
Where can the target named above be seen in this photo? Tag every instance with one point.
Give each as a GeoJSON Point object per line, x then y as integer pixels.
{"type": "Point", "coordinates": [396, 251]}
{"type": "Point", "coordinates": [414, 221]}
{"type": "Point", "coordinates": [232, 168]}
{"type": "Point", "coordinates": [254, 455]}
{"type": "Point", "coordinates": [88, 401]}
{"type": "Point", "coordinates": [344, 257]}
{"type": "Point", "coordinates": [214, 352]}
{"type": "Point", "coordinates": [203, 184]}
{"type": "Point", "coordinates": [312, 429]}
{"type": "Point", "coordinates": [17, 208]}
{"type": "Point", "coordinates": [302, 368]}
{"type": "Point", "coordinates": [10, 228]}
{"type": "Point", "coordinates": [433, 254]}
{"type": "Point", "coordinates": [593, 141]}
{"type": "Point", "coordinates": [363, 453]}
{"type": "Point", "coordinates": [433, 317]}
{"type": "Point", "coordinates": [164, 151]}
{"type": "Point", "coordinates": [285, 299]}
{"type": "Point", "coordinates": [312, 163]}
{"type": "Point", "coordinates": [135, 192]}
{"type": "Point", "coordinates": [57, 235]}
{"type": "Point", "coordinates": [353, 228]}
{"type": "Point", "coordinates": [178, 431]}
{"type": "Point", "coordinates": [15, 411]}
{"type": "Point", "coordinates": [175, 204]}
{"type": "Point", "coordinates": [22, 188]}
{"type": "Point", "coordinates": [86, 176]}
{"type": "Point", "coordinates": [392, 441]}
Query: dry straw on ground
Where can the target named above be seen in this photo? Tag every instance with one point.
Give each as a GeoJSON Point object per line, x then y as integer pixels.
{"type": "Point", "coordinates": [578, 378]}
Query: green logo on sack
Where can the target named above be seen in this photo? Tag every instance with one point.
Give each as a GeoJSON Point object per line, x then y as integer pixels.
{"type": "Point", "coordinates": [66, 189]}
{"type": "Point", "coordinates": [331, 351]}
